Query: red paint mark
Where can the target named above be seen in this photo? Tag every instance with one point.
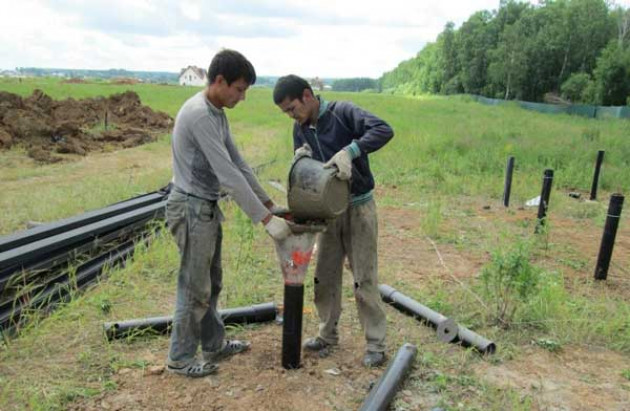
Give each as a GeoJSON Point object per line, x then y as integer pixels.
{"type": "Point", "coordinates": [301, 258]}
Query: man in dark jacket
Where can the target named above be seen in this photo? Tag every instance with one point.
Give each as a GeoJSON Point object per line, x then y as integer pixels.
{"type": "Point", "coordinates": [342, 135]}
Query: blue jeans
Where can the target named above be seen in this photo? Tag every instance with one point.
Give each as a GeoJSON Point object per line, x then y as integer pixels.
{"type": "Point", "coordinates": [196, 226]}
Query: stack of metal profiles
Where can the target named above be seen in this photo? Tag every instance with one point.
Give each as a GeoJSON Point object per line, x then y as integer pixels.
{"type": "Point", "coordinates": [42, 266]}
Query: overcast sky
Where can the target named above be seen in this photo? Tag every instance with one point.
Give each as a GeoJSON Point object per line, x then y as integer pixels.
{"type": "Point", "coordinates": [325, 38]}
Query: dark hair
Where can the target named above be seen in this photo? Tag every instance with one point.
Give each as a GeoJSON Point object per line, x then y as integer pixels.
{"type": "Point", "coordinates": [290, 86]}
{"type": "Point", "coordinates": [232, 65]}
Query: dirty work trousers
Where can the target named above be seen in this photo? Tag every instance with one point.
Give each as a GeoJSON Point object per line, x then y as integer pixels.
{"type": "Point", "coordinates": [353, 234]}
{"type": "Point", "coordinates": [196, 226]}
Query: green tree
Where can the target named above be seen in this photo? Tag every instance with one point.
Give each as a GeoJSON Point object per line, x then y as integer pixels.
{"type": "Point", "coordinates": [612, 75]}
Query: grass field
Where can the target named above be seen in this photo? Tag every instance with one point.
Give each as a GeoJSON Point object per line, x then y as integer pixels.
{"type": "Point", "coordinates": [445, 239]}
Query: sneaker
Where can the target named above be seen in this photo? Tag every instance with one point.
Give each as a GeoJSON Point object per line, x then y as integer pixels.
{"type": "Point", "coordinates": [373, 359]}
{"type": "Point", "coordinates": [230, 348]}
{"type": "Point", "coordinates": [317, 344]}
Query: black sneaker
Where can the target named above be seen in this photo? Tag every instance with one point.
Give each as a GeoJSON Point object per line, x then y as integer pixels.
{"type": "Point", "coordinates": [373, 359]}
{"type": "Point", "coordinates": [320, 346]}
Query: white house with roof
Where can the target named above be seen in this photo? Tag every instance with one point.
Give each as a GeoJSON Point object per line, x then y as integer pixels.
{"type": "Point", "coordinates": [192, 76]}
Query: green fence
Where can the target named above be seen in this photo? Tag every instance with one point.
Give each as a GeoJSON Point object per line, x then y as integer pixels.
{"type": "Point", "coordinates": [574, 109]}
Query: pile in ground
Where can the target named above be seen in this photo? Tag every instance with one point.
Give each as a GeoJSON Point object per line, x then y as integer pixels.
{"type": "Point", "coordinates": [43, 126]}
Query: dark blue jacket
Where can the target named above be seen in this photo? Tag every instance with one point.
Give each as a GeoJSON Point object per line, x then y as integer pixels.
{"type": "Point", "coordinates": [342, 123]}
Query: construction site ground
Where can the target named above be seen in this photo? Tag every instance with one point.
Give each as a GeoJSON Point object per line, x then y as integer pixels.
{"type": "Point", "coordinates": [63, 361]}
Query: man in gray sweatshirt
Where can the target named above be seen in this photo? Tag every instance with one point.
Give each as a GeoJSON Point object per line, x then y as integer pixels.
{"type": "Point", "coordinates": [205, 158]}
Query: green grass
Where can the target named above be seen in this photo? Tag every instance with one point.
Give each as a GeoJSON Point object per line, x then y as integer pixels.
{"type": "Point", "coordinates": [446, 161]}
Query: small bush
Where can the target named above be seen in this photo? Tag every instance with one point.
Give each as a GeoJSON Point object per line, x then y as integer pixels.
{"type": "Point", "coordinates": [509, 281]}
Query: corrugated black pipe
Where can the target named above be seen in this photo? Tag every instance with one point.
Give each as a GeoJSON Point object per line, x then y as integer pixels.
{"type": "Point", "coordinates": [445, 327]}
{"type": "Point", "coordinates": [292, 325]}
{"type": "Point", "coordinates": [385, 389]}
{"type": "Point", "coordinates": [240, 315]}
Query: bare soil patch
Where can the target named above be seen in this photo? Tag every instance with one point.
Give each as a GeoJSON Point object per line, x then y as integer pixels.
{"type": "Point", "coordinates": [577, 378]}
{"type": "Point", "coordinates": [45, 127]}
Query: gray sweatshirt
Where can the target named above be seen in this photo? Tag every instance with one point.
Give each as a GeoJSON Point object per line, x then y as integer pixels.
{"type": "Point", "coordinates": [206, 158]}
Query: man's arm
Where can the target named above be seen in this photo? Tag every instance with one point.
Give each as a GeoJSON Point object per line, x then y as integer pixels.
{"type": "Point", "coordinates": [227, 172]}
{"type": "Point", "coordinates": [373, 133]}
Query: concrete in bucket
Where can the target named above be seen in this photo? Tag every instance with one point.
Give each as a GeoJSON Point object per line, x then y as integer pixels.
{"type": "Point", "coordinates": [315, 193]}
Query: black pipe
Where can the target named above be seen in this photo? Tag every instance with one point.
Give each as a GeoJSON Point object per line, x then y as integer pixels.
{"type": "Point", "coordinates": [544, 198]}
{"type": "Point", "coordinates": [385, 389]}
{"type": "Point", "coordinates": [446, 328]}
{"type": "Point", "coordinates": [240, 315]}
{"type": "Point", "coordinates": [507, 186]}
{"type": "Point", "coordinates": [451, 331]}
{"type": "Point", "coordinates": [59, 259]}
{"type": "Point", "coordinates": [28, 253]}
{"type": "Point", "coordinates": [86, 273]}
{"type": "Point", "coordinates": [292, 325]}
{"type": "Point", "coordinates": [598, 166]}
{"type": "Point", "coordinates": [41, 278]}
{"type": "Point", "coordinates": [608, 239]}
{"type": "Point", "coordinates": [21, 238]}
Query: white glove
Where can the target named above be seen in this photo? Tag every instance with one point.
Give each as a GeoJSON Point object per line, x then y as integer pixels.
{"type": "Point", "coordinates": [277, 228]}
{"type": "Point", "coordinates": [343, 162]}
{"type": "Point", "coordinates": [304, 151]}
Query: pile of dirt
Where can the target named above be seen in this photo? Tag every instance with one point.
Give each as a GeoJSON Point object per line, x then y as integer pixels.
{"type": "Point", "coordinates": [44, 126]}
{"type": "Point", "coordinates": [74, 80]}
{"type": "Point", "coordinates": [124, 80]}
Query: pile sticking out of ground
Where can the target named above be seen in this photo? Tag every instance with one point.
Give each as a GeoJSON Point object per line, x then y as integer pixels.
{"type": "Point", "coordinates": [44, 126]}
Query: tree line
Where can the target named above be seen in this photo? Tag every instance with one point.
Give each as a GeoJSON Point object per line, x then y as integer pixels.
{"type": "Point", "coordinates": [575, 49]}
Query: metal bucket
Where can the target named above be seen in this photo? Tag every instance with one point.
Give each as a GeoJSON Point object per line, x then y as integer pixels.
{"type": "Point", "coordinates": [314, 191]}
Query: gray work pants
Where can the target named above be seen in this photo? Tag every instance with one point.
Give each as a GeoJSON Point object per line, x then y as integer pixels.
{"type": "Point", "coordinates": [196, 227]}
{"type": "Point", "coordinates": [353, 234]}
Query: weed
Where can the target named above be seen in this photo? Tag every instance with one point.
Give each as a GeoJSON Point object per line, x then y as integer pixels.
{"type": "Point", "coordinates": [549, 345]}
{"type": "Point", "coordinates": [626, 374]}
{"type": "Point", "coordinates": [509, 280]}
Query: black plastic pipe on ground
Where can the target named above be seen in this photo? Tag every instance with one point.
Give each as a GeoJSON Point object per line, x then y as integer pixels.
{"type": "Point", "coordinates": [450, 330]}
{"type": "Point", "coordinates": [48, 230]}
{"type": "Point", "coordinates": [41, 267]}
{"type": "Point", "coordinates": [292, 325]}
{"type": "Point", "coordinates": [598, 166]}
{"type": "Point", "coordinates": [385, 389]}
{"type": "Point", "coordinates": [86, 273]}
{"type": "Point", "coordinates": [608, 239]}
{"type": "Point", "coordinates": [445, 327]}
{"type": "Point", "coordinates": [15, 258]}
{"type": "Point", "coordinates": [507, 186]}
{"type": "Point", "coordinates": [240, 315]}
{"type": "Point", "coordinates": [544, 198]}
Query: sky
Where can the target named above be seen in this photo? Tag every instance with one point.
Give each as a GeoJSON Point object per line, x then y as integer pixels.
{"type": "Point", "coordinates": [325, 38]}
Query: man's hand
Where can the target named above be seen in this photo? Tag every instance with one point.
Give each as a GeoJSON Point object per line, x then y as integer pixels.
{"type": "Point", "coordinates": [277, 228]}
{"type": "Point", "coordinates": [304, 151]}
{"type": "Point", "coordinates": [343, 162]}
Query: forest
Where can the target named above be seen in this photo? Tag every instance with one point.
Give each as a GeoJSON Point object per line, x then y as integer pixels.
{"type": "Point", "coordinates": [570, 50]}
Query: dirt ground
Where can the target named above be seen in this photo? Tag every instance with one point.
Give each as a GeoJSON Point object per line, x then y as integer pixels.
{"type": "Point", "coordinates": [575, 378]}
{"type": "Point", "coordinates": [47, 127]}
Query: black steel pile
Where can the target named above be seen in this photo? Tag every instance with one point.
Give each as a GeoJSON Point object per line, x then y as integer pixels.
{"type": "Point", "coordinates": [43, 265]}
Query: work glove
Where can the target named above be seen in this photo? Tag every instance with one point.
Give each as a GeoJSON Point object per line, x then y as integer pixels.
{"type": "Point", "coordinates": [278, 228]}
{"type": "Point", "coordinates": [343, 162]}
{"type": "Point", "coordinates": [278, 210]}
{"type": "Point", "coordinates": [304, 151]}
